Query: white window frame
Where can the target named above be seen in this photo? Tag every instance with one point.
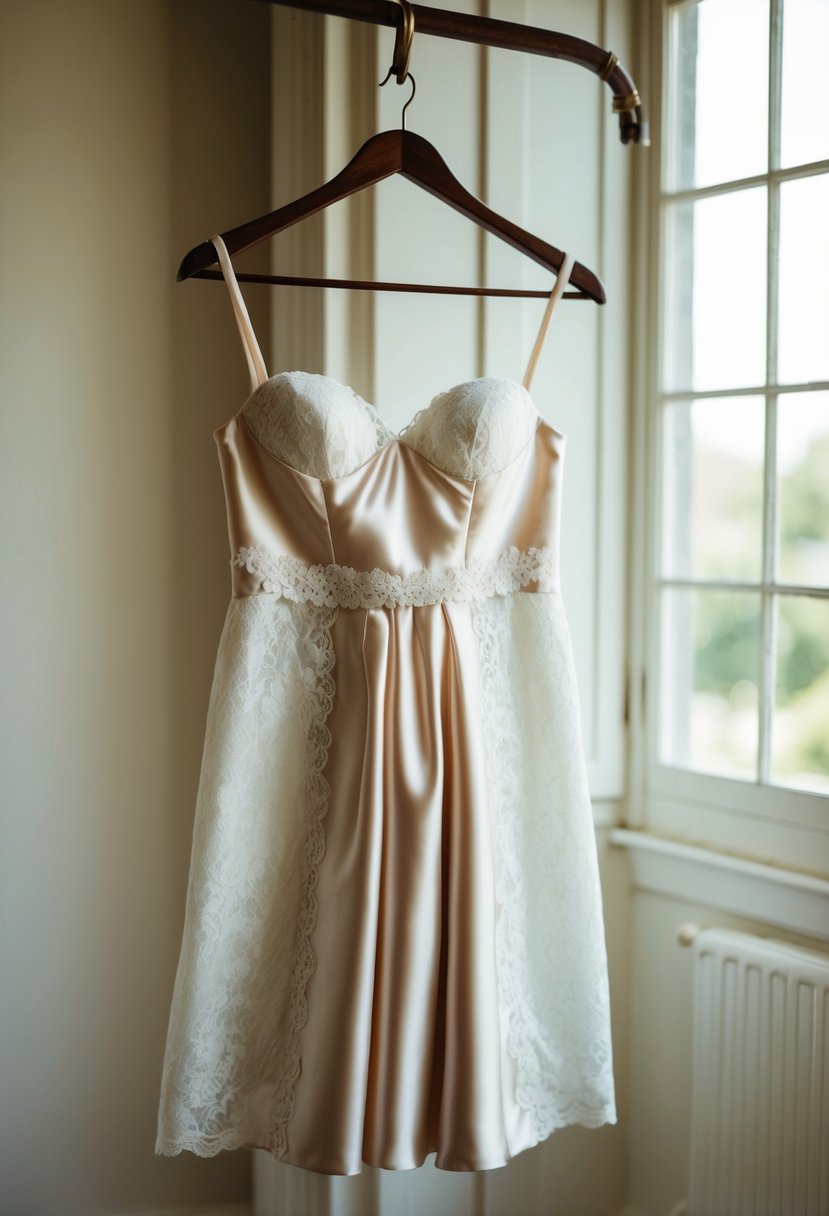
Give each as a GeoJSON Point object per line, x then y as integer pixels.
{"type": "Point", "coordinates": [751, 818]}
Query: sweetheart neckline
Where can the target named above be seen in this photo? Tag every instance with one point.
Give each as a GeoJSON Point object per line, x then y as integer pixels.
{"type": "Point", "coordinates": [393, 436]}
{"type": "Point", "coordinates": [346, 388]}
{"type": "Point", "coordinates": [468, 481]}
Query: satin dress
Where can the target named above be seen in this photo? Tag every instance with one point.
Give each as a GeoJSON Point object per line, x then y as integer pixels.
{"type": "Point", "coordinates": [393, 941]}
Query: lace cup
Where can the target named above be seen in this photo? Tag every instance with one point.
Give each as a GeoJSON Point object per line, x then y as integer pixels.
{"type": "Point", "coordinates": [314, 424]}
{"type": "Point", "coordinates": [473, 429]}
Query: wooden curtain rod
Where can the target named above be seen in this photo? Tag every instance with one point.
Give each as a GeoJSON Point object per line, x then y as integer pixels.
{"type": "Point", "coordinates": [509, 35]}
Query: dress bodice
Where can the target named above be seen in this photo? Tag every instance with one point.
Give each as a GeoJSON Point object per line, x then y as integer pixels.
{"type": "Point", "coordinates": [312, 473]}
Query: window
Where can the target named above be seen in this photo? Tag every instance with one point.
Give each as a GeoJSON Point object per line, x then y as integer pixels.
{"type": "Point", "coordinates": [740, 560]}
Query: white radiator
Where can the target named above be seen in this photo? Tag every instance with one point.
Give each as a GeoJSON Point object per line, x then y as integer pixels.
{"type": "Point", "coordinates": [760, 1099]}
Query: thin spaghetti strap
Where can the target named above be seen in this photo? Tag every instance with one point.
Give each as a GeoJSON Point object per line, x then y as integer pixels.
{"type": "Point", "coordinates": [562, 279]}
{"type": "Point", "coordinates": [256, 364]}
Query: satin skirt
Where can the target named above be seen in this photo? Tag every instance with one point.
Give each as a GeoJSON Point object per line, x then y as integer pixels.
{"type": "Point", "coordinates": [393, 941]}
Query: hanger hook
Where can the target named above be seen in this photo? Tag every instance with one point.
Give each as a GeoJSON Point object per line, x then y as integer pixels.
{"type": "Point", "coordinates": [403, 39]}
{"type": "Point", "coordinates": [408, 103]}
{"type": "Point", "coordinates": [408, 76]}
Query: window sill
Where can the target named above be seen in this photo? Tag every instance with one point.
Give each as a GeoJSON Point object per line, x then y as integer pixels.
{"type": "Point", "coordinates": [788, 899]}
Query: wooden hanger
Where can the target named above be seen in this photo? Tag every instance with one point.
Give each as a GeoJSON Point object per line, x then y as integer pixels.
{"type": "Point", "coordinates": [381, 156]}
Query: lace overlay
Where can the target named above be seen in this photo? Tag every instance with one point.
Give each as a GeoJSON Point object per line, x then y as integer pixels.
{"type": "Point", "coordinates": [325, 429]}
{"type": "Point", "coordinates": [321, 682]}
{"type": "Point", "coordinates": [239, 998]}
{"type": "Point", "coordinates": [315, 424]}
{"type": "Point", "coordinates": [550, 949]}
{"type": "Point", "coordinates": [474, 429]}
{"type": "Point", "coordinates": [344, 587]}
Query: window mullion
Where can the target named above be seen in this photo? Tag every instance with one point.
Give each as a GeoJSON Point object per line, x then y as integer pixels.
{"type": "Point", "coordinates": [768, 618]}
{"type": "Point", "coordinates": [721, 584]}
{"type": "Point", "coordinates": [768, 661]}
{"type": "Point", "coordinates": [694, 194]}
{"type": "Point", "coordinates": [754, 390]}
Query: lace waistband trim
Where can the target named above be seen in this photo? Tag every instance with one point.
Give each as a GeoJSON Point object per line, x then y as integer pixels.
{"type": "Point", "coordinates": [344, 587]}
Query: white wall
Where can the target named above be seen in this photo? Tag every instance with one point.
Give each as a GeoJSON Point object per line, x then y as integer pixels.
{"type": "Point", "coordinates": [128, 132]}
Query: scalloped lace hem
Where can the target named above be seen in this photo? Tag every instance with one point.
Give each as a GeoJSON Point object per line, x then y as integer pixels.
{"type": "Point", "coordinates": [202, 1146]}
{"type": "Point", "coordinates": [210, 1146]}
{"type": "Point", "coordinates": [340, 586]}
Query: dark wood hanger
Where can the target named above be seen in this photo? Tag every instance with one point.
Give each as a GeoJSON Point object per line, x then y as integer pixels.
{"type": "Point", "coordinates": [381, 156]}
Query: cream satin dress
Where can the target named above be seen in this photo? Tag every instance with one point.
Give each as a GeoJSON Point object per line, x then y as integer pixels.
{"type": "Point", "coordinates": [393, 941]}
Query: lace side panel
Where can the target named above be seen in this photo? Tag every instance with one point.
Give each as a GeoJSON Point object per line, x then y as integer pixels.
{"type": "Point", "coordinates": [344, 587]}
{"type": "Point", "coordinates": [550, 945]}
{"type": "Point", "coordinates": [238, 1000]}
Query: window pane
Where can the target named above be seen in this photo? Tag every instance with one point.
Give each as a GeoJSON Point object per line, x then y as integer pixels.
{"type": "Point", "coordinates": [718, 64]}
{"type": "Point", "coordinates": [804, 134]}
{"type": "Point", "coordinates": [800, 732]}
{"type": "Point", "coordinates": [710, 665]}
{"type": "Point", "coordinates": [715, 290]}
{"type": "Point", "coordinates": [804, 274]}
{"type": "Point", "coordinates": [803, 472]}
{"type": "Point", "coordinates": [712, 524]}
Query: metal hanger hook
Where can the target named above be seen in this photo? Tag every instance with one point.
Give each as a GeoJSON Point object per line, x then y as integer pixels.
{"type": "Point", "coordinates": [408, 76]}
{"type": "Point", "coordinates": [408, 103]}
